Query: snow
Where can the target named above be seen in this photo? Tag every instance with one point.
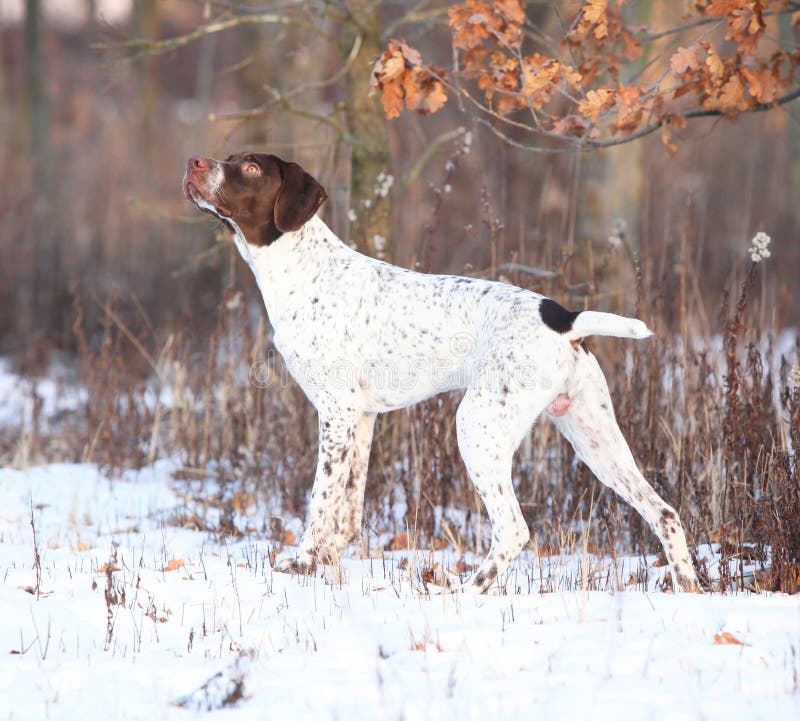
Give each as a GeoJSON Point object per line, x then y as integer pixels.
{"type": "Point", "coordinates": [56, 392]}
{"type": "Point", "coordinates": [363, 642]}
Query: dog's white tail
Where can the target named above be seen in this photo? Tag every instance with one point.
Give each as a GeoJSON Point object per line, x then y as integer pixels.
{"type": "Point", "coordinates": [590, 322]}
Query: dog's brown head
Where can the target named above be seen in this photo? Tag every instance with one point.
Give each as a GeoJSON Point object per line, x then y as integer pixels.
{"type": "Point", "coordinates": [261, 195]}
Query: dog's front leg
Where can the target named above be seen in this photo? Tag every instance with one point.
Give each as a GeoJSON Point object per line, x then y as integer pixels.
{"type": "Point", "coordinates": [326, 537]}
{"type": "Point", "coordinates": [352, 509]}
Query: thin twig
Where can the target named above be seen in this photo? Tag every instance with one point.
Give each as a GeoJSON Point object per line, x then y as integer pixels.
{"type": "Point", "coordinates": [516, 267]}
{"type": "Point", "coordinates": [155, 47]}
{"type": "Point", "coordinates": [111, 313]}
{"type": "Point", "coordinates": [430, 151]}
{"type": "Point", "coordinates": [650, 36]}
{"type": "Point", "coordinates": [277, 97]}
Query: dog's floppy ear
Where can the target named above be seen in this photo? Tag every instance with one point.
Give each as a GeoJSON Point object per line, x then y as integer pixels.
{"type": "Point", "coordinates": [298, 199]}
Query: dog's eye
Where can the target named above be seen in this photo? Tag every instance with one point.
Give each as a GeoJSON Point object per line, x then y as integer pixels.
{"type": "Point", "coordinates": [252, 168]}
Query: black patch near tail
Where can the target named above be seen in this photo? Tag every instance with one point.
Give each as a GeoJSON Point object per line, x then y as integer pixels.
{"type": "Point", "coordinates": [556, 316]}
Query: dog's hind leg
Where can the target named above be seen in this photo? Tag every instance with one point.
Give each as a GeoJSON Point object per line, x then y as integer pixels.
{"type": "Point", "coordinates": [590, 426]}
{"type": "Point", "coordinates": [488, 428]}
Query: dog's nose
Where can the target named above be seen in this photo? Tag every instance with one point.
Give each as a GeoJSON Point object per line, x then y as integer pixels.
{"type": "Point", "coordinates": [197, 162]}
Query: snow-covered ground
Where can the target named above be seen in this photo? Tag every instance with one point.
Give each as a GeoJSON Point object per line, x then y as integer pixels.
{"type": "Point", "coordinates": [57, 392]}
{"type": "Point", "coordinates": [203, 620]}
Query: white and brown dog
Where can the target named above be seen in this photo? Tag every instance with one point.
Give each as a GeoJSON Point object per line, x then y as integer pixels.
{"type": "Point", "coordinates": [363, 337]}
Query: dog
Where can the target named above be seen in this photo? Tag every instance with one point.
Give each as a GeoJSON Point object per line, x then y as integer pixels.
{"type": "Point", "coordinates": [363, 337]}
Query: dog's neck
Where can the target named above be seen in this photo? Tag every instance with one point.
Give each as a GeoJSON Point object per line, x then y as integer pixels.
{"type": "Point", "coordinates": [314, 234]}
{"type": "Point", "coordinates": [286, 269]}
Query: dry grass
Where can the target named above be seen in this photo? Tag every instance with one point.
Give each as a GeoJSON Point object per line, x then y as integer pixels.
{"type": "Point", "coordinates": [711, 414]}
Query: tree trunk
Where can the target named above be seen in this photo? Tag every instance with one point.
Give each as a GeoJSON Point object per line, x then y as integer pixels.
{"type": "Point", "coordinates": [371, 199]}
{"type": "Point", "coordinates": [147, 27]}
{"type": "Point", "coordinates": [39, 304]}
{"type": "Point", "coordinates": [37, 97]}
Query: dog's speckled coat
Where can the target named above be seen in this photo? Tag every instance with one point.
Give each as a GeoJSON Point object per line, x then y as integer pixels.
{"type": "Point", "coordinates": [363, 337]}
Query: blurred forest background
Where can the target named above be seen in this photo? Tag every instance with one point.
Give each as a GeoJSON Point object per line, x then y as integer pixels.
{"type": "Point", "coordinates": [107, 269]}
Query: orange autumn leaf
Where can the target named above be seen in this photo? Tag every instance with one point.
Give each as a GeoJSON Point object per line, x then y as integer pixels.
{"type": "Point", "coordinates": [541, 76]}
{"type": "Point", "coordinates": [666, 139]}
{"type": "Point", "coordinates": [431, 94]}
{"type": "Point", "coordinates": [631, 45]}
{"type": "Point", "coordinates": [105, 568]}
{"type": "Point", "coordinates": [683, 60]}
{"type": "Point", "coordinates": [174, 564]}
{"type": "Point", "coordinates": [536, 84]}
{"type": "Point", "coordinates": [387, 76]}
{"type": "Point", "coordinates": [391, 66]}
{"type": "Point", "coordinates": [405, 82]}
{"type": "Point", "coordinates": [393, 99]}
{"type": "Point", "coordinates": [570, 126]}
{"type": "Point", "coordinates": [594, 14]}
{"type": "Point", "coordinates": [732, 99]}
{"type": "Point", "coordinates": [470, 23]}
{"type": "Point", "coordinates": [429, 574]}
{"type": "Point", "coordinates": [726, 639]}
{"type": "Point", "coordinates": [288, 538]}
{"type": "Point", "coordinates": [630, 109]}
{"type": "Point", "coordinates": [761, 84]}
{"type": "Point", "coordinates": [476, 21]}
{"type": "Point", "coordinates": [596, 102]}
{"type": "Point", "coordinates": [745, 21]}
{"type": "Point", "coordinates": [511, 9]}
{"type": "Point", "coordinates": [671, 123]}
{"type": "Point", "coordinates": [714, 63]}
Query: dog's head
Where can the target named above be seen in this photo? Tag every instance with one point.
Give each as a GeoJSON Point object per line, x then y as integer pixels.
{"type": "Point", "coordinates": [260, 195]}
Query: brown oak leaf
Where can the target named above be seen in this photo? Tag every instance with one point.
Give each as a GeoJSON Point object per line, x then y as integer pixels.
{"type": "Point", "coordinates": [570, 125]}
{"type": "Point", "coordinates": [596, 102]}
{"type": "Point", "coordinates": [683, 60]}
{"type": "Point", "coordinates": [732, 100]}
{"type": "Point", "coordinates": [475, 21]}
{"type": "Point", "coordinates": [761, 84]}
{"type": "Point", "coordinates": [630, 109]}
{"type": "Point", "coordinates": [714, 63]}
{"type": "Point", "coordinates": [594, 13]}
{"type": "Point", "coordinates": [405, 82]}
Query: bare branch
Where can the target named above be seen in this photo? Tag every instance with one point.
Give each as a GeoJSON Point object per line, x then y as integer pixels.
{"type": "Point", "coordinates": [417, 14]}
{"type": "Point", "coordinates": [155, 47]}
{"type": "Point", "coordinates": [299, 90]}
{"type": "Point", "coordinates": [690, 115]}
{"type": "Point", "coordinates": [646, 37]}
{"type": "Point", "coordinates": [516, 268]}
{"type": "Point", "coordinates": [430, 151]}
{"type": "Point", "coordinates": [578, 145]}
{"type": "Point", "coordinates": [340, 129]}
